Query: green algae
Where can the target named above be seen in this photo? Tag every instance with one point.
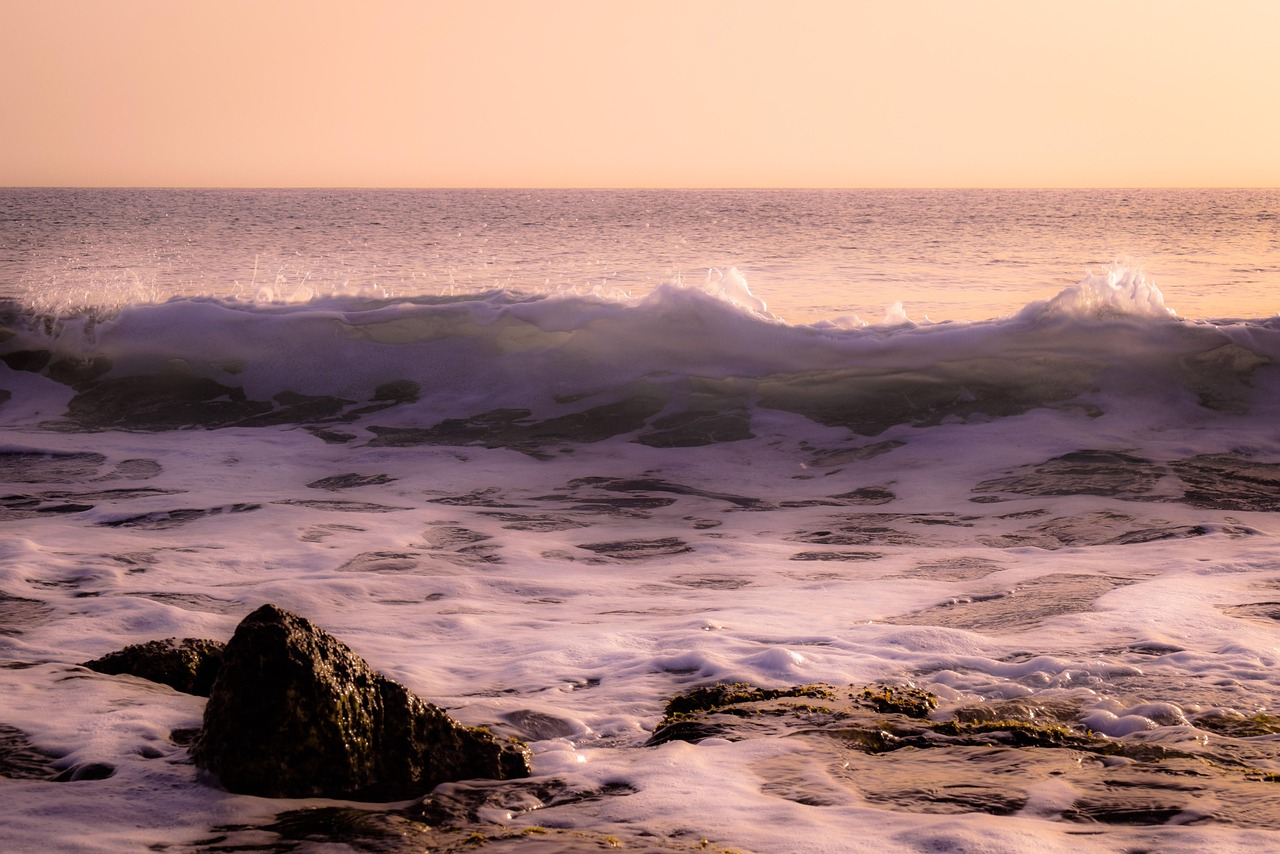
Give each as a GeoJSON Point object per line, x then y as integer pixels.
{"type": "Point", "coordinates": [1250, 726]}
{"type": "Point", "coordinates": [881, 744]}
{"type": "Point", "coordinates": [295, 713]}
{"type": "Point", "coordinates": [729, 698]}
{"type": "Point", "coordinates": [1019, 733]}
{"type": "Point", "coordinates": [900, 699]}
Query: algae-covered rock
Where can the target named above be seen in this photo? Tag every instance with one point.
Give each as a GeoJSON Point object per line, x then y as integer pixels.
{"type": "Point", "coordinates": [716, 698]}
{"type": "Point", "coordinates": [295, 713]}
{"type": "Point", "coordinates": [902, 699]}
{"type": "Point", "coordinates": [900, 746]}
{"type": "Point", "coordinates": [189, 665]}
{"type": "Point", "coordinates": [700, 712]}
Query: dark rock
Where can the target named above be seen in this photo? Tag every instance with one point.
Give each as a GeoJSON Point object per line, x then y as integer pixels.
{"type": "Point", "coordinates": [189, 665]}
{"type": "Point", "coordinates": [701, 712]}
{"type": "Point", "coordinates": [900, 699]}
{"type": "Point", "coordinates": [295, 713]}
{"type": "Point", "coordinates": [185, 736]}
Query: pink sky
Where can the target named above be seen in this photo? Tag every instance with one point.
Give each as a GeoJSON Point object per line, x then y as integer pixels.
{"type": "Point", "coordinates": [610, 93]}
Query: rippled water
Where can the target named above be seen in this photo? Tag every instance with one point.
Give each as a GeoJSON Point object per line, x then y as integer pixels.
{"type": "Point", "coordinates": [810, 255]}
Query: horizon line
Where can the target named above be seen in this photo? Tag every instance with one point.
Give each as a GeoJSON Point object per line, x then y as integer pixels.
{"type": "Point", "coordinates": [617, 188]}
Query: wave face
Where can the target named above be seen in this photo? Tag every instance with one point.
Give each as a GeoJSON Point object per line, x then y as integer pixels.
{"type": "Point", "coordinates": [681, 365]}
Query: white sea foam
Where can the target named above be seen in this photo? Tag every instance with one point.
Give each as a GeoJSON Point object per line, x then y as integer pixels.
{"type": "Point", "coordinates": [1121, 291]}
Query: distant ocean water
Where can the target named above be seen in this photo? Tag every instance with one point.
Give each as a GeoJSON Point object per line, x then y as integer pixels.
{"type": "Point", "coordinates": [809, 255]}
{"type": "Point", "coordinates": [551, 458]}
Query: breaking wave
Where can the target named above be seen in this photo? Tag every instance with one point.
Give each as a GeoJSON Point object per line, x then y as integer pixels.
{"type": "Point", "coordinates": [680, 353]}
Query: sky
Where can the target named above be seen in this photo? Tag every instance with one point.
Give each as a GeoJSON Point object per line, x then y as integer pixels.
{"type": "Point", "coordinates": [652, 93]}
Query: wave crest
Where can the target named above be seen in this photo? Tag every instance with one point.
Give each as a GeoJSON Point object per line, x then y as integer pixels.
{"type": "Point", "coordinates": [704, 354]}
{"type": "Point", "coordinates": [1121, 291]}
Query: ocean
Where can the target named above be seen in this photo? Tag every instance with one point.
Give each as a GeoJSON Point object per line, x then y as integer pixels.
{"type": "Point", "coordinates": [550, 458]}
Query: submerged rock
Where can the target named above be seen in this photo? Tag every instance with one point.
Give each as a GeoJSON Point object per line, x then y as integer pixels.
{"type": "Point", "coordinates": [295, 713]}
{"type": "Point", "coordinates": [189, 665]}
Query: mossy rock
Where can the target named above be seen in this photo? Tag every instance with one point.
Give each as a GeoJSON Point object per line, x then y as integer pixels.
{"type": "Point", "coordinates": [1018, 733]}
{"type": "Point", "coordinates": [900, 699]}
{"type": "Point", "coordinates": [881, 744]}
{"type": "Point", "coordinates": [1239, 726]}
{"type": "Point", "coordinates": [295, 713]}
{"type": "Point", "coordinates": [189, 665]}
{"type": "Point", "coordinates": [724, 697]}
